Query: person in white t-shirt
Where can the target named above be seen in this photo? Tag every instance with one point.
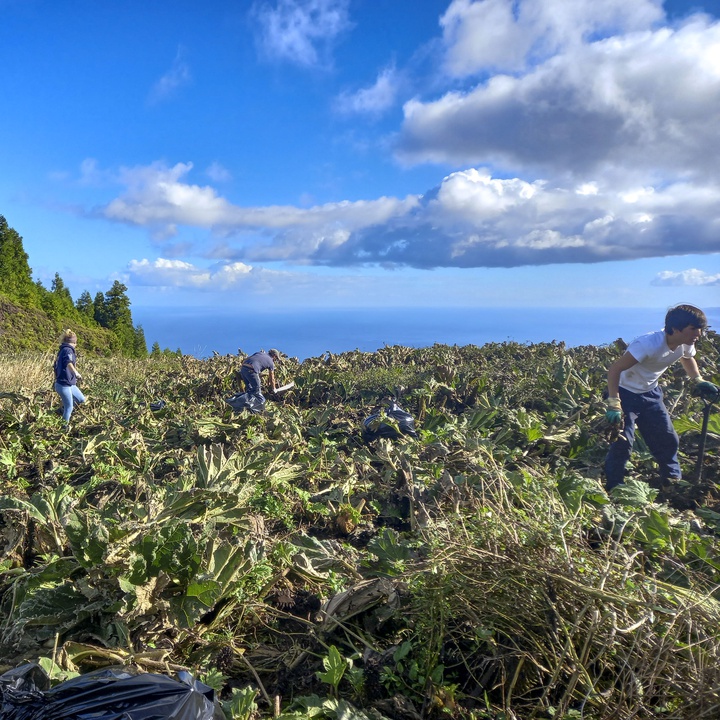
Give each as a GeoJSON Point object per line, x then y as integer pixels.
{"type": "Point", "coordinates": [635, 396]}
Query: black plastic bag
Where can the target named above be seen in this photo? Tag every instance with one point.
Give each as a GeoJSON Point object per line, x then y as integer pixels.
{"type": "Point", "coordinates": [246, 401]}
{"type": "Point", "coordinates": [108, 694]}
{"type": "Point", "coordinates": [374, 427]}
{"type": "Point", "coordinates": [21, 692]}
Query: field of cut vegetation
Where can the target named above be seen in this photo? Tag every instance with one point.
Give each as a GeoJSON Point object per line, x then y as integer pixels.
{"type": "Point", "coordinates": [478, 571]}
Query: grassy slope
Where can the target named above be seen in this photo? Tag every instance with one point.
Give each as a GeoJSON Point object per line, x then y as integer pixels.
{"type": "Point", "coordinates": [479, 571]}
{"type": "Point", "coordinates": [23, 328]}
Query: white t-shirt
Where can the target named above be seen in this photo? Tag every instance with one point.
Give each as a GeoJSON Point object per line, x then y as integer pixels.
{"type": "Point", "coordinates": [654, 358]}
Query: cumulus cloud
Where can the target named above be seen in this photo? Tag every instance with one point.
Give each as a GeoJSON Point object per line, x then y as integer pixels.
{"type": "Point", "coordinates": [506, 35]}
{"type": "Point", "coordinates": [155, 196]}
{"type": "Point", "coordinates": [178, 75]}
{"type": "Point", "coordinates": [164, 272]}
{"type": "Point", "coordinates": [693, 277]}
{"type": "Point", "coordinates": [475, 220]}
{"type": "Point", "coordinates": [274, 286]}
{"type": "Point", "coordinates": [471, 219]}
{"type": "Point", "coordinates": [639, 101]}
{"type": "Point", "coordinates": [300, 31]}
{"type": "Point", "coordinates": [373, 100]}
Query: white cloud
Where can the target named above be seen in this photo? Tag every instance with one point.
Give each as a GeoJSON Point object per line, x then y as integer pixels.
{"type": "Point", "coordinates": [589, 188]}
{"type": "Point", "coordinates": [167, 273]}
{"type": "Point", "coordinates": [275, 288]}
{"type": "Point", "coordinates": [471, 219]}
{"type": "Point", "coordinates": [475, 196]}
{"type": "Point", "coordinates": [155, 197]}
{"type": "Point", "coordinates": [217, 173]}
{"type": "Point", "coordinates": [636, 194]}
{"type": "Point", "coordinates": [640, 103]}
{"type": "Point", "coordinates": [92, 175]}
{"type": "Point", "coordinates": [163, 272]}
{"type": "Point", "coordinates": [178, 75]}
{"type": "Point", "coordinates": [300, 31]}
{"type": "Point", "coordinates": [373, 100]}
{"type": "Point", "coordinates": [504, 35]}
{"type": "Point", "coordinates": [482, 35]}
{"type": "Point", "coordinates": [693, 278]}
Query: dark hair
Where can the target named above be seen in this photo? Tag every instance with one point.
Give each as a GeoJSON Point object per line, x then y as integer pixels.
{"type": "Point", "coordinates": [679, 317]}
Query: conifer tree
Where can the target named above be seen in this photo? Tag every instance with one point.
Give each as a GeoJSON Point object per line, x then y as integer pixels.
{"type": "Point", "coordinates": [63, 299]}
{"type": "Point", "coordinates": [140, 349]}
{"type": "Point", "coordinates": [117, 305]}
{"type": "Point", "coordinates": [118, 318]}
{"type": "Point", "coordinates": [45, 300]}
{"type": "Point", "coordinates": [99, 309]}
{"type": "Point", "coordinates": [84, 306]}
{"type": "Point", "coordinates": [15, 274]}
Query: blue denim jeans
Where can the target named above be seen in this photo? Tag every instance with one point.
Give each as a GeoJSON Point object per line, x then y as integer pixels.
{"type": "Point", "coordinates": [251, 380]}
{"type": "Point", "coordinates": [70, 395]}
{"type": "Point", "coordinates": [648, 412]}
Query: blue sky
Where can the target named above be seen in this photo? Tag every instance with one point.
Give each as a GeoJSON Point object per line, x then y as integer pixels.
{"type": "Point", "coordinates": [305, 153]}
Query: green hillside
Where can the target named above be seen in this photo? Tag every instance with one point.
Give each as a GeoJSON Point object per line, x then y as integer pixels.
{"type": "Point", "coordinates": [32, 317]}
{"type": "Point", "coordinates": [478, 571]}
{"type": "Point", "coordinates": [28, 328]}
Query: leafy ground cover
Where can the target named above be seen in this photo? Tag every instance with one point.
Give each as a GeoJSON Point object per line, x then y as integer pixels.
{"type": "Point", "coordinates": [478, 571]}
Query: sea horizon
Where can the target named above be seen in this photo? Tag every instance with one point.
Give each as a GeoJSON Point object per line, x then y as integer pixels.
{"type": "Point", "coordinates": [312, 332]}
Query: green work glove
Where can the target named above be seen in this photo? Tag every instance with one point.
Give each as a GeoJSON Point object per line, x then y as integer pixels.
{"type": "Point", "coordinates": [705, 389]}
{"type": "Point", "coordinates": [613, 411]}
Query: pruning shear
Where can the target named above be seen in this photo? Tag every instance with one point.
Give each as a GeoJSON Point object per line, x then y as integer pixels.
{"type": "Point", "coordinates": [708, 404]}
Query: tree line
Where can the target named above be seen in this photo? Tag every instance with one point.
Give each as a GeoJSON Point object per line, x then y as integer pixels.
{"type": "Point", "coordinates": [110, 310]}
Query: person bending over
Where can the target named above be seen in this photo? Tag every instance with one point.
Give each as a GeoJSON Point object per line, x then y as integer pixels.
{"type": "Point", "coordinates": [635, 398]}
{"type": "Point", "coordinates": [255, 364]}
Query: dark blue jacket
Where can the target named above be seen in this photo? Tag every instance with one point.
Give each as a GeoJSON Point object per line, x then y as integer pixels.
{"type": "Point", "coordinates": [63, 374]}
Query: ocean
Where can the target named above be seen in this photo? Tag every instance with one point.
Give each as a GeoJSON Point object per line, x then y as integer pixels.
{"type": "Point", "coordinates": [313, 332]}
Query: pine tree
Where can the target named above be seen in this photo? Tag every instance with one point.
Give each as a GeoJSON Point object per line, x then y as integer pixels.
{"type": "Point", "coordinates": [140, 349]}
{"type": "Point", "coordinates": [99, 310]}
{"type": "Point", "coordinates": [118, 318]}
{"type": "Point", "coordinates": [63, 298]}
{"type": "Point", "coordinates": [15, 274]}
{"type": "Point", "coordinates": [46, 300]}
{"type": "Point", "coordinates": [117, 306]}
{"type": "Point", "coordinates": [84, 306]}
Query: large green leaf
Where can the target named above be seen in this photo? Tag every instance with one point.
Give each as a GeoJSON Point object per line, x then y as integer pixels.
{"type": "Point", "coordinates": [12, 503]}
{"type": "Point", "coordinates": [89, 537]}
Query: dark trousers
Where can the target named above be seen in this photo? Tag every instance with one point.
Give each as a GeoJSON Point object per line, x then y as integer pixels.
{"type": "Point", "coordinates": [648, 412]}
{"type": "Point", "coordinates": [251, 380]}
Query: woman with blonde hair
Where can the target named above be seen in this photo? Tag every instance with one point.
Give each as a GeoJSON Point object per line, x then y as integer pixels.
{"type": "Point", "coordinates": [66, 374]}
